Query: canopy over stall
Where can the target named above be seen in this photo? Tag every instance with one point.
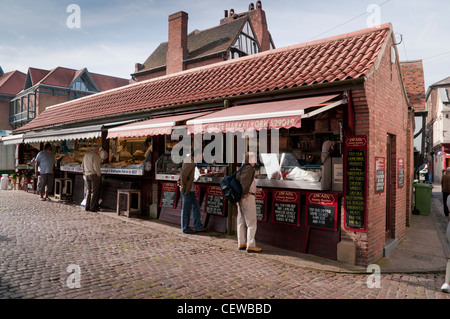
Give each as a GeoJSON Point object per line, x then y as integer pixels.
{"type": "Point", "coordinates": [269, 115]}
{"type": "Point", "coordinates": [155, 126]}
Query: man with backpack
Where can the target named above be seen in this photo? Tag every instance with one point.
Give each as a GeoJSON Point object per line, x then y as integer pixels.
{"type": "Point", "coordinates": [246, 219]}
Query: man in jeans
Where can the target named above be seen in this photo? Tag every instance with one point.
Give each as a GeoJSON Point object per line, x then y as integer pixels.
{"type": "Point", "coordinates": [190, 202]}
{"type": "Point", "coordinates": [93, 176]}
{"type": "Point", "coordinates": [45, 163]}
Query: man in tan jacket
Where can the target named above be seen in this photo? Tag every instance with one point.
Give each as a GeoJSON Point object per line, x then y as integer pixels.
{"type": "Point", "coordinates": [91, 170]}
{"type": "Point", "coordinates": [246, 219]}
{"type": "Point", "coordinates": [446, 189]}
{"type": "Point", "coordinates": [187, 190]}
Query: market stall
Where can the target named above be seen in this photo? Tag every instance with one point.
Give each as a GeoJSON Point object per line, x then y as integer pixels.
{"type": "Point", "coordinates": [301, 163]}
{"type": "Point", "coordinates": [161, 183]}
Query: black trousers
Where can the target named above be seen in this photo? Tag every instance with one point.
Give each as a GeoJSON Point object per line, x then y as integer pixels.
{"type": "Point", "coordinates": [94, 183]}
{"type": "Point", "coordinates": [444, 197]}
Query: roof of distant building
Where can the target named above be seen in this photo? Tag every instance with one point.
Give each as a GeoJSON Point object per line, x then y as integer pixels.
{"type": "Point", "coordinates": [11, 83]}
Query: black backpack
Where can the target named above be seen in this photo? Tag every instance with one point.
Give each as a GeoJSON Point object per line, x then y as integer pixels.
{"type": "Point", "coordinates": [231, 187]}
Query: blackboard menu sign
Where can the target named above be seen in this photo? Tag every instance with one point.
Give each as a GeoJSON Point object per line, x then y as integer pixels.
{"type": "Point", "coordinates": [286, 207]}
{"type": "Point", "coordinates": [169, 195]}
{"type": "Point", "coordinates": [380, 169]}
{"type": "Point", "coordinates": [355, 169]}
{"type": "Point", "coordinates": [401, 172]}
{"type": "Point", "coordinates": [215, 201]}
{"type": "Point", "coordinates": [261, 204]}
{"type": "Point", "coordinates": [321, 210]}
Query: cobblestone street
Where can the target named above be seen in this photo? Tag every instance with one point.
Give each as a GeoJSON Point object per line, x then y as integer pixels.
{"type": "Point", "coordinates": [125, 258]}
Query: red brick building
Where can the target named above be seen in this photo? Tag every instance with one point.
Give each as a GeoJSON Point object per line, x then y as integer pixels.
{"type": "Point", "coordinates": [237, 35]}
{"type": "Point", "coordinates": [11, 83]}
{"type": "Point", "coordinates": [344, 88]}
{"type": "Point", "coordinates": [43, 88]}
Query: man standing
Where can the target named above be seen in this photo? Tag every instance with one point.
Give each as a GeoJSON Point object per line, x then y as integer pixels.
{"type": "Point", "coordinates": [45, 164]}
{"type": "Point", "coordinates": [246, 219]}
{"type": "Point", "coordinates": [190, 202]}
{"type": "Point", "coordinates": [93, 177]}
{"type": "Point", "coordinates": [446, 189]}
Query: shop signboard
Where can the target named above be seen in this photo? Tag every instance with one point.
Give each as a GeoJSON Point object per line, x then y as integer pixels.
{"type": "Point", "coordinates": [321, 210]}
{"type": "Point", "coordinates": [286, 207]}
{"type": "Point", "coordinates": [401, 172]}
{"type": "Point", "coordinates": [380, 173]}
{"type": "Point", "coordinates": [355, 175]}
{"type": "Point", "coordinates": [169, 193]}
{"type": "Point", "coordinates": [261, 204]}
{"type": "Point", "coordinates": [215, 201]}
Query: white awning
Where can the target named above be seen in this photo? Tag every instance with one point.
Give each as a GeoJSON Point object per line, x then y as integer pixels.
{"type": "Point", "coordinates": [76, 133]}
{"type": "Point", "coordinates": [12, 139]}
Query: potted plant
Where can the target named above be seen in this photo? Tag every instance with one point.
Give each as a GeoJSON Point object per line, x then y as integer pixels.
{"type": "Point", "coordinates": [13, 176]}
{"type": "Point", "coordinates": [27, 175]}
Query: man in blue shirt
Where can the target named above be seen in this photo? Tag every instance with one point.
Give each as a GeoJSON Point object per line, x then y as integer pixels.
{"type": "Point", "coordinates": [45, 163]}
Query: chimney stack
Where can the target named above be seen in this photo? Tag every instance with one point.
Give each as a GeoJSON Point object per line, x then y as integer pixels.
{"type": "Point", "coordinates": [177, 46]}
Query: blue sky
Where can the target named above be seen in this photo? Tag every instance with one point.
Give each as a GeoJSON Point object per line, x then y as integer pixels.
{"type": "Point", "coordinates": [115, 34]}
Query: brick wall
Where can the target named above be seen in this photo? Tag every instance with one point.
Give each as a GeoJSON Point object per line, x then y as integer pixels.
{"type": "Point", "coordinates": [4, 115]}
{"type": "Point", "coordinates": [380, 109]}
{"type": "Point", "coordinates": [414, 81]}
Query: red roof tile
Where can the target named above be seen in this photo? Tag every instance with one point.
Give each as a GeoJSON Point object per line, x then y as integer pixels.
{"type": "Point", "coordinates": [12, 82]}
{"type": "Point", "coordinates": [348, 56]}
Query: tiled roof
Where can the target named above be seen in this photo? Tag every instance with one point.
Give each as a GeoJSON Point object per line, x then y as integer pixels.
{"type": "Point", "coordinates": [414, 82]}
{"type": "Point", "coordinates": [349, 56]}
{"type": "Point", "coordinates": [64, 77]}
{"type": "Point", "coordinates": [200, 44]}
{"type": "Point", "coordinates": [12, 82]}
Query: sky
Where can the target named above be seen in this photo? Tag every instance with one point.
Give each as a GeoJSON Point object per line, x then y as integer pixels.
{"type": "Point", "coordinates": [110, 36]}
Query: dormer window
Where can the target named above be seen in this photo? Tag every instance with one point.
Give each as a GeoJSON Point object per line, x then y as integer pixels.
{"type": "Point", "coordinates": [84, 83]}
{"type": "Point", "coordinates": [246, 43]}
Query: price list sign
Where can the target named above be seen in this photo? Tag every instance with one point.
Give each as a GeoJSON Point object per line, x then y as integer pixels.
{"type": "Point", "coordinates": [261, 205]}
{"type": "Point", "coordinates": [401, 172]}
{"type": "Point", "coordinates": [169, 195]}
{"type": "Point", "coordinates": [215, 201]}
{"type": "Point", "coordinates": [380, 174]}
{"type": "Point", "coordinates": [355, 159]}
{"type": "Point", "coordinates": [286, 207]}
{"type": "Point", "coordinates": [321, 210]}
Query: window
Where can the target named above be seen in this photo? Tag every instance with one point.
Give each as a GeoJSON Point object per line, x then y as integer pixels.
{"type": "Point", "coordinates": [246, 44]}
{"type": "Point", "coordinates": [84, 83]}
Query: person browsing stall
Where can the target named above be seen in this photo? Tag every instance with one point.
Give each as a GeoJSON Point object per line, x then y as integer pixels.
{"type": "Point", "coordinates": [187, 189]}
{"type": "Point", "coordinates": [246, 219]}
{"type": "Point", "coordinates": [45, 164]}
{"type": "Point", "coordinates": [93, 176]}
